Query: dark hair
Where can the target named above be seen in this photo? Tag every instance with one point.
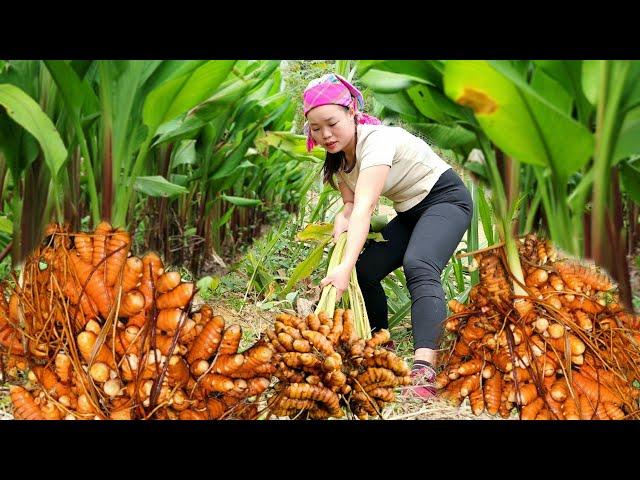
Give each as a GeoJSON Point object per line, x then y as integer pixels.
{"type": "Point", "coordinates": [334, 162]}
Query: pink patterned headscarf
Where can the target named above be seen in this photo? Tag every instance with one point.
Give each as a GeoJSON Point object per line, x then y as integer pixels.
{"type": "Point", "coordinates": [333, 89]}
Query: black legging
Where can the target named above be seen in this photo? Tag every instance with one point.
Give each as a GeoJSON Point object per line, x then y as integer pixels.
{"type": "Point", "coordinates": [421, 240]}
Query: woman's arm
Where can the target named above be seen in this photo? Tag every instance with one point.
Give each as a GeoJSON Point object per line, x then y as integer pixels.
{"type": "Point", "coordinates": [347, 198]}
{"type": "Point", "coordinates": [341, 221]}
{"type": "Point", "coordinates": [368, 190]}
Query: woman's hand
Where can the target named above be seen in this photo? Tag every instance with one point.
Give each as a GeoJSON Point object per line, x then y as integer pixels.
{"type": "Point", "coordinates": [340, 224]}
{"type": "Point", "coordinates": [339, 278]}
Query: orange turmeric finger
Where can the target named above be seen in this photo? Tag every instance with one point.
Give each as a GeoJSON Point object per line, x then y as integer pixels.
{"type": "Point", "coordinates": [117, 250]}
{"type": "Point", "coordinates": [207, 343]}
{"type": "Point", "coordinates": [25, 407]}
{"type": "Point", "coordinates": [168, 319]}
{"type": "Point", "coordinates": [168, 281]}
{"type": "Point", "coordinates": [131, 304]}
{"type": "Point", "coordinates": [594, 391]}
{"type": "Point", "coordinates": [100, 245]}
{"type": "Point", "coordinates": [84, 246]}
{"type": "Point", "coordinates": [93, 284]}
{"type": "Point", "coordinates": [230, 340]}
{"type": "Point", "coordinates": [132, 273]}
{"type": "Point", "coordinates": [86, 342]}
{"type": "Point", "coordinates": [178, 297]}
{"type": "Point", "coordinates": [214, 382]}
{"type": "Point", "coordinates": [152, 266]}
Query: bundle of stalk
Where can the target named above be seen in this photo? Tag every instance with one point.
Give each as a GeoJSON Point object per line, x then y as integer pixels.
{"type": "Point", "coordinates": [328, 298]}
{"type": "Point", "coordinates": [566, 350]}
{"type": "Point", "coordinates": [323, 367]}
{"type": "Point", "coordinates": [109, 336]}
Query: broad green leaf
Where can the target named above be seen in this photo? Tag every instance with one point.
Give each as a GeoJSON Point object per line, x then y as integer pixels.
{"type": "Point", "coordinates": [81, 67]}
{"type": "Point", "coordinates": [591, 79]}
{"type": "Point", "coordinates": [397, 290]}
{"type": "Point", "coordinates": [292, 144]}
{"type": "Point", "coordinates": [447, 137]}
{"type": "Point", "coordinates": [208, 283]}
{"type": "Point", "coordinates": [387, 82]}
{"type": "Point", "coordinates": [426, 105]}
{"type": "Point", "coordinates": [552, 91]}
{"type": "Point", "coordinates": [484, 210]}
{"type": "Point", "coordinates": [398, 102]}
{"type": "Point", "coordinates": [263, 114]}
{"type": "Point", "coordinates": [6, 225]}
{"type": "Point", "coordinates": [190, 126]}
{"type": "Point", "coordinates": [520, 66]}
{"type": "Point", "coordinates": [75, 92]}
{"type": "Point", "coordinates": [180, 94]}
{"type": "Point", "coordinates": [429, 71]}
{"type": "Point", "coordinates": [378, 222]}
{"type": "Point", "coordinates": [242, 202]}
{"type": "Point", "coordinates": [26, 112]}
{"type": "Point", "coordinates": [23, 74]}
{"type": "Point", "coordinates": [517, 119]}
{"type": "Point", "coordinates": [170, 69]}
{"type": "Point", "coordinates": [246, 164]}
{"type": "Point", "coordinates": [179, 179]}
{"type": "Point", "coordinates": [158, 186]}
{"type": "Point", "coordinates": [628, 142]}
{"type": "Point", "coordinates": [125, 79]}
{"type": "Point", "coordinates": [363, 66]}
{"type": "Point", "coordinates": [315, 232]}
{"type": "Point", "coordinates": [399, 315]}
{"type": "Point", "coordinates": [567, 73]}
{"type": "Point", "coordinates": [2, 64]}
{"type": "Point", "coordinates": [233, 91]}
{"type": "Point", "coordinates": [632, 88]}
{"type": "Point", "coordinates": [235, 158]}
{"type": "Point", "coordinates": [307, 266]}
{"type": "Point", "coordinates": [591, 71]}
{"type": "Point", "coordinates": [11, 135]}
{"type": "Point", "coordinates": [168, 127]}
{"type": "Point", "coordinates": [457, 270]}
{"type": "Point", "coordinates": [433, 99]}
{"type": "Point", "coordinates": [149, 68]}
{"type": "Point", "coordinates": [477, 168]}
{"type": "Point", "coordinates": [185, 154]}
{"type": "Point", "coordinates": [630, 177]}
{"type": "Point", "coordinates": [178, 129]}
{"type": "Point", "coordinates": [225, 218]}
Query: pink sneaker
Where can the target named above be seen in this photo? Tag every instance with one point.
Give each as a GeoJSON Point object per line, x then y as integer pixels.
{"type": "Point", "coordinates": [423, 387]}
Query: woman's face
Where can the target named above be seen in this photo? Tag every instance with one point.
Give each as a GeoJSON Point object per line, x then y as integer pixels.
{"type": "Point", "coordinates": [332, 127]}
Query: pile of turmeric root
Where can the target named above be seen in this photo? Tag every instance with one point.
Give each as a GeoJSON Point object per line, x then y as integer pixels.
{"type": "Point", "coordinates": [107, 335]}
{"type": "Point", "coordinates": [565, 350]}
{"type": "Point", "coordinates": [103, 334]}
{"type": "Point", "coordinates": [90, 331]}
{"type": "Point", "coordinates": [324, 369]}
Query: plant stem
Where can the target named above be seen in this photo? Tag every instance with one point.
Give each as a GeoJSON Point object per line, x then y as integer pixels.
{"type": "Point", "coordinates": [91, 181]}
{"type": "Point", "coordinates": [607, 127]}
{"type": "Point", "coordinates": [123, 204]}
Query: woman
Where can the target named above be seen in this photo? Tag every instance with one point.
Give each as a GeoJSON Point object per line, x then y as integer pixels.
{"type": "Point", "coordinates": [434, 209]}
